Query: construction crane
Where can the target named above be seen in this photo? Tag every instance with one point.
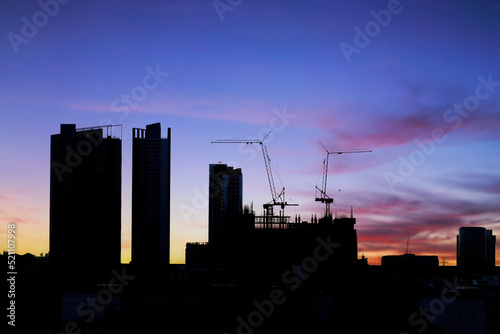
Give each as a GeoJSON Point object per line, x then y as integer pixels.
{"type": "Point", "coordinates": [278, 199]}
{"type": "Point", "coordinates": [324, 198]}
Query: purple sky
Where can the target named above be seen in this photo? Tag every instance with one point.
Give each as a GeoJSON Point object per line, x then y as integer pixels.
{"type": "Point", "coordinates": [420, 87]}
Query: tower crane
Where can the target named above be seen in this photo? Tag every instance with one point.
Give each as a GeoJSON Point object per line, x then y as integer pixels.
{"type": "Point", "coordinates": [278, 199]}
{"type": "Point", "coordinates": [324, 198]}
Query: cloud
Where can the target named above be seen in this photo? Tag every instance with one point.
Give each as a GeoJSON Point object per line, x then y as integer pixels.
{"type": "Point", "coordinates": [215, 108]}
{"type": "Point", "coordinates": [431, 217]}
{"type": "Point", "coordinates": [5, 198]}
{"type": "Point", "coordinates": [414, 114]}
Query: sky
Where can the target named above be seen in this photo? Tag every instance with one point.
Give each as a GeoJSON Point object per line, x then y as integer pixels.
{"type": "Point", "coordinates": [416, 82]}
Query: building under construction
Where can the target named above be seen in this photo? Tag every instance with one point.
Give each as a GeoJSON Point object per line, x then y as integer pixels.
{"type": "Point", "coordinates": [268, 243]}
{"type": "Point", "coordinates": [240, 239]}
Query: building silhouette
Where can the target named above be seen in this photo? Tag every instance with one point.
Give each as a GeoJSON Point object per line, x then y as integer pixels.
{"type": "Point", "coordinates": [281, 241]}
{"type": "Point", "coordinates": [225, 202]}
{"type": "Point", "coordinates": [475, 248]}
{"type": "Point", "coordinates": [240, 239]}
{"type": "Point", "coordinates": [150, 196]}
{"type": "Point", "coordinates": [85, 197]}
{"type": "Point", "coordinates": [410, 262]}
{"type": "Point", "coordinates": [225, 226]}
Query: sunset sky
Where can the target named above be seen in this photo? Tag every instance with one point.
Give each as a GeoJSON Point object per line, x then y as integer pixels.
{"type": "Point", "coordinates": [417, 82]}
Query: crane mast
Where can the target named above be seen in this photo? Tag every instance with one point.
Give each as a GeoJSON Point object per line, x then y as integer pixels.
{"type": "Point", "coordinates": [278, 199]}
{"type": "Point", "coordinates": [267, 162]}
{"type": "Point", "coordinates": [324, 198]}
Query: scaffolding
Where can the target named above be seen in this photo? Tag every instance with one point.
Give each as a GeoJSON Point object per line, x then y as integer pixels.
{"type": "Point", "coordinates": [272, 222]}
{"type": "Point", "coordinates": [107, 128]}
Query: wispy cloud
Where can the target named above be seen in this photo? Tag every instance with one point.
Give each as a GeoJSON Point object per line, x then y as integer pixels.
{"type": "Point", "coordinates": [414, 114]}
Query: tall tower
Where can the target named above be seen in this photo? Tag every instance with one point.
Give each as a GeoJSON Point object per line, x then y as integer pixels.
{"type": "Point", "coordinates": [150, 196]}
{"type": "Point", "coordinates": [490, 248]}
{"type": "Point", "coordinates": [85, 197]}
{"type": "Point", "coordinates": [475, 248]}
{"type": "Point", "coordinates": [225, 202]}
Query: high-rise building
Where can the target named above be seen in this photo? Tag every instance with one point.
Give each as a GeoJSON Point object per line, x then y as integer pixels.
{"type": "Point", "coordinates": [475, 248]}
{"type": "Point", "coordinates": [150, 196]}
{"type": "Point", "coordinates": [490, 248]}
{"type": "Point", "coordinates": [85, 197]}
{"type": "Point", "coordinates": [225, 203]}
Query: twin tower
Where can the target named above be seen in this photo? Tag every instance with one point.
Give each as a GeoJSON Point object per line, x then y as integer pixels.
{"type": "Point", "coordinates": [85, 197]}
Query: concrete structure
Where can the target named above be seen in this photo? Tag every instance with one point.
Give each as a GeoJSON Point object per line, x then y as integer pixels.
{"type": "Point", "coordinates": [225, 202]}
{"type": "Point", "coordinates": [85, 197]}
{"type": "Point", "coordinates": [240, 239]}
{"type": "Point", "coordinates": [150, 196]}
{"type": "Point", "coordinates": [419, 263]}
{"type": "Point", "coordinates": [475, 248]}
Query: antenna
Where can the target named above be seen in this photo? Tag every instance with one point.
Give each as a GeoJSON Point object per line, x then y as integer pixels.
{"type": "Point", "coordinates": [408, 243]}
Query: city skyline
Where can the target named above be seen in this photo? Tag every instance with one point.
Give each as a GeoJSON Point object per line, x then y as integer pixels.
{"type": "Point", "coordinates": [153, 133]}
{"type": "Point", "coordinates": [269, 66]}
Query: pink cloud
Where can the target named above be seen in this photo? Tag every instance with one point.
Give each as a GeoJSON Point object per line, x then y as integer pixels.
{"type": "Point", "coordinates": [404, 118]}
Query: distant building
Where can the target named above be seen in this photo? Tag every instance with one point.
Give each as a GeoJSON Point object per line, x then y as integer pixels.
{"type": "Point", "coordinates": [85, 197]}
{"type": "Point", "coordinates": [410, 262]}
{"type": "Point", "coordinates": [225, 202]}
{"type": "Point", "coordinates": [150, 196]}
{"type": "Point", "coordinates": [475, 248]}
{"type": "Point", "coordinates": [228, 224]}
{"type": "Point", "coordinates": [197, 254]}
